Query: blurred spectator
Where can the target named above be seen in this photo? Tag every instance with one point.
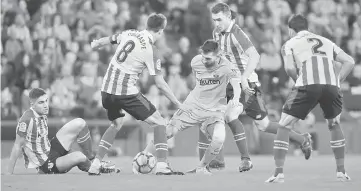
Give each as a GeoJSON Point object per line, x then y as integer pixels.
{"type": "Point", "coordinates": [21, 32]}
{"type": "Point", "coordinates": [187, 55]}
{"type": "Point", "coordinates": [60, 29]}
{"type": "Point", "coordinates": [176, 82]}
{"type": "Point", "coordinates": [13, 45]}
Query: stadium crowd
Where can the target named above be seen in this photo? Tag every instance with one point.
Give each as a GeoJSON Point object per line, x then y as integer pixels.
{"type": "Point", "coordinates": [47, 44]}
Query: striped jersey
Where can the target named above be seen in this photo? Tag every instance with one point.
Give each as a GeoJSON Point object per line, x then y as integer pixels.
{"type": "Point", "coordinates": [314, 58]}
{"type": "Point", "coordinates": [210, 90]}
{"type": "Point", "coordinates": [134, 53]}
{"type": "Point", "coordinates": [33, 127]}
{"type": "Point", "coordinates": [233, 44]}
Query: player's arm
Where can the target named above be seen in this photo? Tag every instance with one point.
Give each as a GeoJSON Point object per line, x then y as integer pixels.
{"type": "Point", "coordinates": [98, 43]}
{"type": "Point", "coordinates": [21, 130]}
{"type": "Point", "coordinates": [346, 60]}
{"type": "Point", "coordinates": [245, 43]}
{"type": "Point", "coordinates": [289, 62]}
{"type": "Point", "coordinates": [155, 69]}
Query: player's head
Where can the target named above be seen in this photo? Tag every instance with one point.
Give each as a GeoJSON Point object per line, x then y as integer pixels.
{"type": "Point", "coordinates": [39, 101]}
{"type": "Point", "coordinates": [210, 53]}
{"type": "Point", "coordinates": [156, 24]}
{"type": "Point", "coordinates": [296, 24]}
{"type": "Point", "coordinates": [221, 16]}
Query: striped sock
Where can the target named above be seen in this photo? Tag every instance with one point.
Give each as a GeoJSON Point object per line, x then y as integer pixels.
{"type": "Point", "coordinates": [281, 144]}
{"type": "Point", "coordinates": [160, 143]}
{"type": "Point", "coordinates": [106, 142]}
{"type": "Point", "coordinates": [338, 144]}
{"type": "Point", "coordinates": [85, 142]}
{"type": "Point", "coordinates": [203, 144]}
{"type": "Point", "coordinates": [239, 137]}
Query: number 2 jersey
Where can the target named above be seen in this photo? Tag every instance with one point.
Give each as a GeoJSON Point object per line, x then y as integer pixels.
{"type": "Point", "coordinates": [210, 91]}
{"type": "Point", "coordinates": [134, 53]}
{"type": "Point", "coordinates": [314, 57]}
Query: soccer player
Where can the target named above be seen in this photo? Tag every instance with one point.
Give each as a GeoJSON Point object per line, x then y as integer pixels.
{"type": "Point", "coordinates": [119, 90]}
{"type": "Point", "coordinates": [310, 61]}
{"type": "Point", "coordinates": [241, 53]}
{"type": "Point", "coordinates": [206, 104]}
{"type": "Point", "coordinates": [51, 157]}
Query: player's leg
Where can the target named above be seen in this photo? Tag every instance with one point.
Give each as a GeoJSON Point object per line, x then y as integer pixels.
{"type": "Point", "coordinates": [67, 162]}
{"type": "Point", "coordinates": [239, 136]}
{"type": "Point", "coordinates": [331, 104]}
{"type": "Point", "coordinates": [203, 143]}
{"type": "Point", "coordinates": [299, 103]}
{"type": "Point", "coordinates": [218, 132]}
{"type": "Point", "coordinates": [76, 129]}
{"type": "Point", "coordinates": [112, 103]}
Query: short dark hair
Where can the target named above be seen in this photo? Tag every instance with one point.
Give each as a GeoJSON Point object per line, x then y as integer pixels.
{"type": "Point", "coordinates": [156, 22]}
{"type": "Point", "coordinates": [210, 46]}
{"type": "Point", "coordinates": [221, 7]}
{"type": "Point", "coordinates": [35, 93]}
{"type": "Point", "coordinates": [298, 23]}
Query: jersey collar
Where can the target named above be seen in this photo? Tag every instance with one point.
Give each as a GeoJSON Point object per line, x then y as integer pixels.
{"type": "Point", "coordinates": [35, 113]}
{"type": "Point", "coordinates": [230, 26]}
{"type": "Point", "coordinates": [301, 33]}
{"type": "Point", "coordinates": [150, 36]}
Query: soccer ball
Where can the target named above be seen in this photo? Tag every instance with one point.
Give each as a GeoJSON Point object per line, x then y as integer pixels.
{"type": "Point", "coordinates": [143, 163]}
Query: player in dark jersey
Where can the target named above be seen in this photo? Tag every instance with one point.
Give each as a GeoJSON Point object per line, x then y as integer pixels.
{"type": "Point", "coordinates": [311, 61]}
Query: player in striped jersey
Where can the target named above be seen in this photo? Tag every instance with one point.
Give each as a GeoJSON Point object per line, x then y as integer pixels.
{"type": "Point", "coordinates": [134, 53]}
{"type": "Point", "coordinates": [206, 104]}
{"type": "Point", "coordinates": [243, 56]}
{"type": "Point", "coordinates": [310, 61]}
{"type": "Point", "coordinates": [51, 156]}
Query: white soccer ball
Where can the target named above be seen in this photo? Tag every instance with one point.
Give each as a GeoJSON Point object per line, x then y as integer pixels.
{"type": "Point", "coordinates": [143, 163]}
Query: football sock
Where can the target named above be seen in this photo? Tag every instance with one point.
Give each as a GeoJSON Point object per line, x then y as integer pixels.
{"type": "Point", "coordinates": [106, 142]}
{"type": "Point", "coordinates": [85, 142]}
{"type": "Point", "coordinates": [239, 137]}
{"type": "Point", "coordinates": [160, 143]}
{"type": "Point", "coordinates": [338, 144]}
{"type": "Point", "coordinates": [294, 136]}
{"type": "Point", "coordinates": [280, 147]}
{"type": "Point", "coordinates": [203, 144]}
{"type": "Point", "coordinates": [211, 153]}
{"type": "Point", "coordinates": [84, 166]}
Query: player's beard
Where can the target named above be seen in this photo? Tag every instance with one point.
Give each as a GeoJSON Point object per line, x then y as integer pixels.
{"type": "Point", "coordinates": [210, 64]}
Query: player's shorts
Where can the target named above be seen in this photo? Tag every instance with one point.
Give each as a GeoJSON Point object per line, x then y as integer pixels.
{"type": "Point", "coordinates": [56, 150]}
{"type": "Point", "coordinates": [303, 99]}
{"type": "Point", "coordinates": [187, 117]}
{"type": "Point", "coordinates": [136, 105]}
{"type": "Point", "coordinates": [254, 105]}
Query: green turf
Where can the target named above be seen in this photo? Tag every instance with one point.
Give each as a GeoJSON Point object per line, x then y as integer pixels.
{"type": "Point", "coordinates": [313, 175]}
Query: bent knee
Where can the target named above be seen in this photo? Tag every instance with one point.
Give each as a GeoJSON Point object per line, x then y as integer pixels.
{"type": "Point", "coordinates": [219, 134]}
{"type": "Point", "coordinates": [79, 122]}
{"type": "Point", "coordinates": [155, 120]}
{"type": "Point", "coordinates": [233, 113]}
{"type": "Point", "coordinates": [333, 123]}
{"type": "Point", "coordinates": [117, 124]}
{"type": "Point", "coordinates": [79, 157]}
{"type": "Point", "coordinates": [262, 124]}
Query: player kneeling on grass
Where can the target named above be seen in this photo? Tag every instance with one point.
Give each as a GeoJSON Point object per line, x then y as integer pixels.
{"type": "Point", "coordinates": [206, 104]}
{"type": "Point", "coordinates": [51, 157]}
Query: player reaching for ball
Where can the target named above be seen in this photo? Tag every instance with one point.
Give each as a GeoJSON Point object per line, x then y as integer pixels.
{"type": "Point", "coordinates": [310, 61]}
{"type": "Point", "coordinates": [119, 91]}
{"type": "Point", "coordinates": [239, 50]}
{"type": "Point", "coordinates": [206, 104]}
{"type": "Point", "coordinates": [51, 157]}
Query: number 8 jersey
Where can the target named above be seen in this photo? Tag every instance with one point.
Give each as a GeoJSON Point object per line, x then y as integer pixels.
{"type": "Point", "coordinates": [133, 54]}
{"type": "Point", "coordinates": [314, 56]}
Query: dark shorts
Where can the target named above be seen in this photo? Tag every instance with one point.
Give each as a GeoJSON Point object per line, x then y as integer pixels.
{"type": "Point", "coordinates": [56, 150]}
{"type": "Point", "coordinates": [303, 99]}
{"type": "Point", "coordinates": [254, 105]}
{"type": "Point", "coordinates": [136, 105]}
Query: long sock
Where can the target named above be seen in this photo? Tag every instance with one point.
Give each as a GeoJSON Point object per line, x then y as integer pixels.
{"type": "Point", "coordinates": [85, 142]}
{"type": "Point", "coordinates": [160, 143]}
{"type": "Point", "coordinates": [84, 166]}
{"type": "Point", "coordinates": [294, 136]}
{"type": "Point", "coordinates": [220, 156]}
{"type": "Point", "coordinates": [203, 144]}
{"type": "Point", "coordinates": [210, 154]}
{"type": "Point", "coordinates": [150, 147]}
{"type": "Point", "coordinates": [280, 147]}
{"type": "Point", "coordinates": [106, 142]}
{"type": "Point", "coordinates": [338, 144]}
{"type": "Point", "coordinates": [239, 137]}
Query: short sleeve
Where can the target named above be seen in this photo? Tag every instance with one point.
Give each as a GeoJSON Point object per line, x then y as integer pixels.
{"type": "Point", "coordinates": [286, 49]}
{"type": "Point", "coordinates": [336, 49]}
{"type": "Point", "coordinates": [23, 125]}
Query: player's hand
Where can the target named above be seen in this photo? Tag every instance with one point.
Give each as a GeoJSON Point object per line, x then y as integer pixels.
{"type": "Point", "coordinates": [245, 87]}
{"type": "Point", "coordinates": [94, 44]}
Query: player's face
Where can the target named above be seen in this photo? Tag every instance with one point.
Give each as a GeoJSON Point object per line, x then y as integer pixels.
{"type": "Point", "coordinates": [41, 105]}
{"type": "Point", "coordinates": [210, 59]}
{"type": "Point", "coordinates": [221, 21]}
